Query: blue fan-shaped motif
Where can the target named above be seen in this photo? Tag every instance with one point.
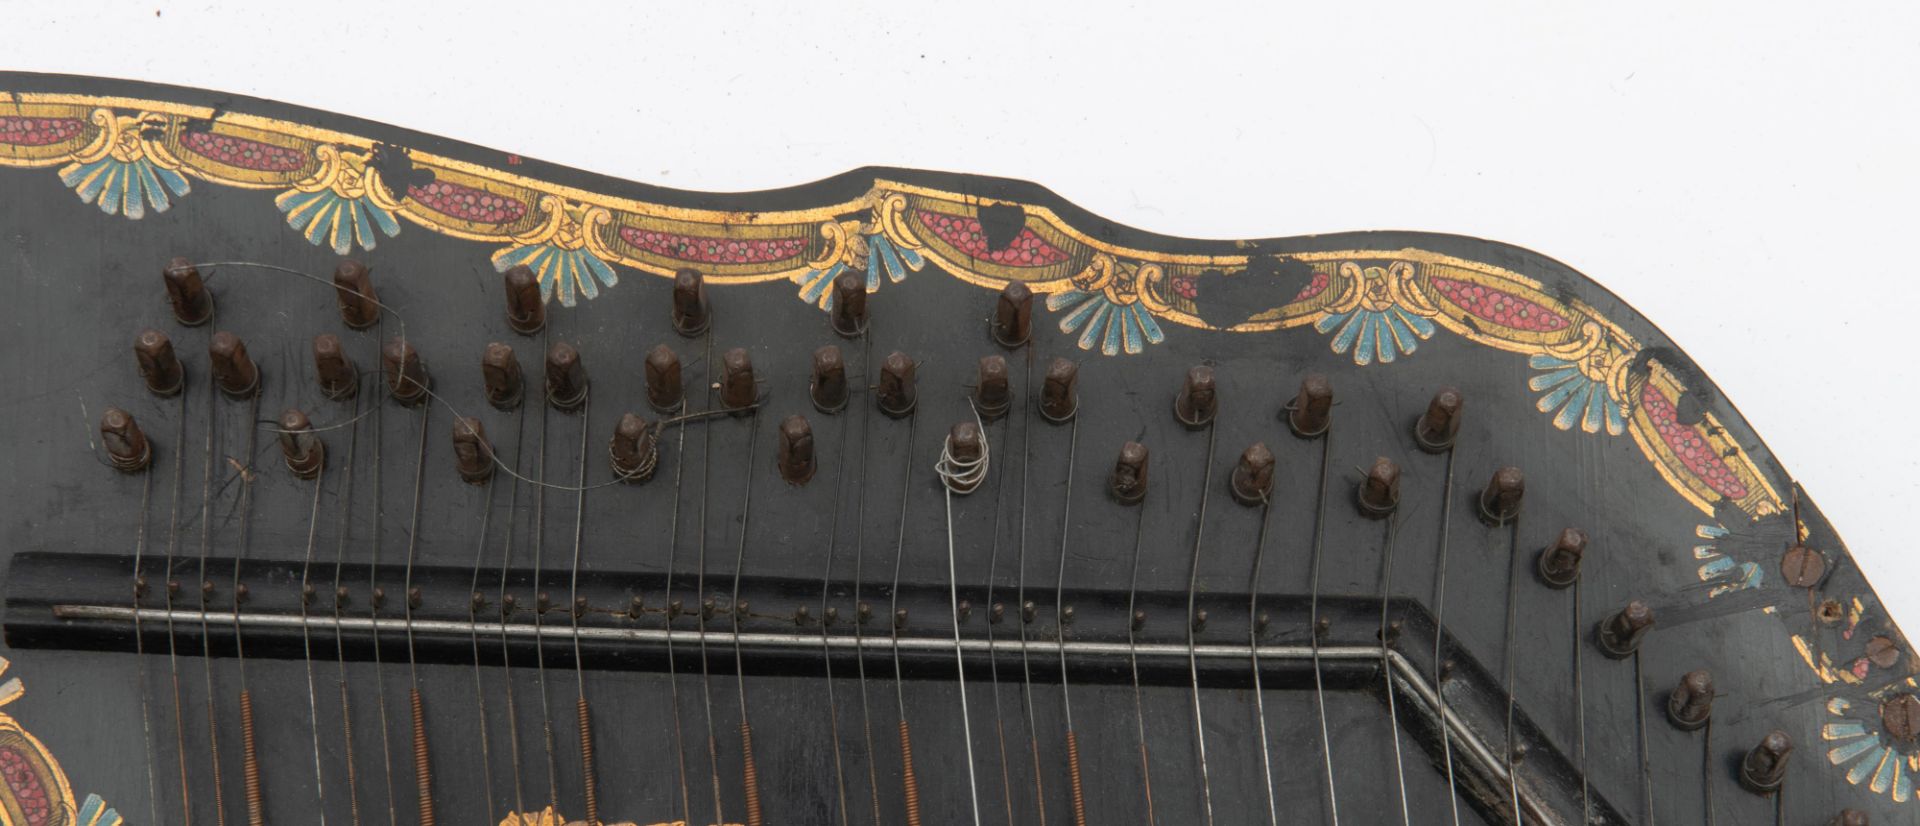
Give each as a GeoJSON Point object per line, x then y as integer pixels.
{"type": "Point", "coordinates": [882, 255]}
{"type": "Point", "coordinates": [1376, 335]}
{"type": "Point", "coordinates": [95, 812]}
{"type": "Point", "coordinates": [327, 217]}
{"type": "Point", "coordinates": [562, 272]}
{"type": "Point", "coordinates": [1113, 327]}
{"type": "Point", "coordinates": [1574, 398]}
{"type": "Point", "coordinates": [1724, 572]}
{"type": "Point", "coordinates": [1868, 759]}
{"type": "Point", "coordinates": [125, 187]}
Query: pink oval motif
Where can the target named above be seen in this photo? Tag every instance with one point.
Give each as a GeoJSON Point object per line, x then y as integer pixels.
{"type": "Point", "coordinates": [28, 791]}
{"type": "Point", "coordinates": [964, 234]}
{"type": "Point", "coordinates": [1315, 287]}
{"type": "Point", "coordinates": [1500, 307]}
{"type": "Point", "coordinates": [467, 203]}
{"type": "Point", "coordinates": [703, 250]}
{"type": "Point", "coordinates": [243, 153]}
{"type": "Point", "coordinates": [1687, 443]}
{"type": "Point", "coordinates": [23, 131]}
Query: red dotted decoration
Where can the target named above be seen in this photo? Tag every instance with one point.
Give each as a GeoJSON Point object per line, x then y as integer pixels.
{"type": "Point", "coordinates": [964, 234]}
{"type": "Point", "coordinates": [467, 203]}
{"type": "Point", "coordinates": [243, 153]}
{"type": "Point", "coordinates": [28, 791]}
{"type": "Point", "coordinates": [1315, 287]}
{"type": "Point", "coordinates": [1689, 445]}
{"type": "Point", "coordinates": [23, 131]}
{"type": "Point", "coordinates": [714, 250]}
{"type": "Point", "coordinates": [1500, 307]}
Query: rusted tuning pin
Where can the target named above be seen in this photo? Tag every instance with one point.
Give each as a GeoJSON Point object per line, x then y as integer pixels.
{"type": "Point", "coordinates": [472, 454]}
{"type": "Point", "coordinates": [828, 387]}
{"type": "Point", "coordinates": [664, 392]}
{"type": "Point", "coordinates": [1802, 567]}
{"type": "Point", "coordinates": [192, 303]}
{"type": "Point", "coordinates": [737, 391]}
{"type": "Point", "coordinates": [233, 369]}
{"type": "Point", "coordinates": [1620, 634]}
{"type": "Point", "coordinates": [127, 447]}
{"type": "Point", "coordinates": [1060, 391]}
{"type": "Point", "coordinates": [960, 468]}
{"type": "Point", "coordinates": [1560, 562]}
{"type": "Point", "coordinates": [302, 448]}
{"type": "Point", "coordinates": [691, 314]}
{"type": "Point", "coordinates": [1437, 428]}
{"type": "Point", "coordinates": [1691, 703]}
{"type": "Point", "coordinates": [1850, 817]}
{"type": "Point", "coordinates": [635, 450]}
{"type": "Point", "coordinates": [566, 377]}
{"type": "Point", "coordinates": [1500, 501]}
{"type": "Point", "coordinates": [1128, 484]}
{"type": "Point", "coordinates": [158, 365]}
{"type": "Point", "coordinates": [1013, 315]}
{"type": "Point", "coordinates": [794, 455]}
{"type": "Point", "coordinates": [992, 390]}
{"type": "Point", "coordinates": [353, 285]}
{"type": "Point", "coordinates": [1900, 717]}
{"type": "Point", "coordinates": [1765, 767]}
{"type": "Point", "coordinates": [849, 315]}
{"type": "Point", "coordinates": [407, 379]}
{"type": "Point", "coordinates": [1195, 406]}
{"type": "Point", "coordinates": [1311, 411]}
{"type": "Point", "coordinates": [339, 378]}
{"type": "Point", "coordinates": [895, 393]}
{"type": "Point", "coordinates": [526, 313]}
{"type": "Point", "coordinates": [1253, 477]}
{"type": "Point", "coordinates": [1379, 493]}
{"type": "Point", "coordinates": [500, 373]}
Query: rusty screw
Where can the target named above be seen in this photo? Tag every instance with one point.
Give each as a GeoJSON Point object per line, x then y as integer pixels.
{"type": "Point", "coordinates": [127, 446]}
{"type": "Point", "coordinates": [691, 315]}
{"type": "Point", "coordinates": [965, 448]}
{"type": "Point", "coordinates": [992, 390]}
{"type": "Point", "coordinates": [302, 448]}
{"type": "Point", "coordinates": [1379, 493]}
{"type": "Point", "coordinates": [1500, 501]}
{"type": "Point", "coordinates": [1883, 652]}
{"type": "Point", "coordinates": [526, 312]}
{"type": "Point", "coordinates": [1060, 392]}
{"type": "Point", "coordinates": [339, 378]}
{"type": "Point", "coordinates": [406, 376]}
{"type": "Point", "coordinates": [158, 365]}
{"type": "Point", "coordinates": [635, 450]}
{"type": "Point", "coordinates": [471, 452]}
{"type": "Point", "coordinates": [566, 377]}
{"type": "Point", "coordinates": [794, 455]}
{"type": "Point", "coordinates": [1196, 405]}
{"type": "Point", "coordinates": [353, 285]}
{"type": "Point", "coordinates": [736, 380]}
{"type": "Point", "coordinates": [849, 312]}
{"type": "Point", "coordinates": [233, 369]}
{"type": "Point", "coordinates": [664, 391]}
{"type": "Point", "coordinates": [1253, 476]}
{"type": "Point", "coordinates": [1802, 567]}
{"type": "Point", "coordinates": [1560, 562]}
{"type": "Point", "coordinates": [1691, 703]}
{"type": "Point", "coordinates": [896, 394]}
{"type": "Point", "coordinates": [1440, 425]}
{"type": "Point", "coordinates": [828, 387]}
{"type": "Point", "coordinates": [1621, 633]}
{"type": "Point", "coordinates": [1013, 315]}
{"type": "Point", "coordinates": [500, 374]}
{"type": "Point", "coordinates": [1900, 717]}
{"type": "Point", "coordinates": [192, 303]}
{"type": "Point", "coordinates": [1128, 484]}
{"type": "Point", "coordinates": [1311, 412]}
{"type": "Point", "coordinates": [1765, 767]}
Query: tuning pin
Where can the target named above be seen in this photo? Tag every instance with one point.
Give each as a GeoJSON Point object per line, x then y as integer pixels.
{"type": "Point", "coordinates": [1311, 412]}
{"type": "Point", "coordinates": [500, 374]}
{"type": "Point", "coordinates": [1620, 634]}
{"type": "Point", "coordinates": [192, 303]}
{"type": "Point", "coordinates": [339, 379]}
{"type": "Point", "coordinates": [664, 393]}
{"type": "Point", "coordinates": [127, 446]}
{"type": "Point", "coordinates": [406, 375]}
{"type": "Point", "coordinates": [472, 454]}
{"type": "Point", "coordinates": [1440, 425]}
{"type": "Point", "coordinates": [1560, 562]}
{"type": "Point", "coordinates": [233, 369]}
{"type": "Point", "coordinates": [1691, 703]}
{"type": "Point", "coordinates": [960, 468]}
{"type": "Point", "coordinates": [1765, 767]}
{"type": "Point", "coordinates": [1060, 392]}
{"type": "Point", "coordinates": [302, 448]}
{"type": "Point", "coordinates": [566, 378]}
{"type": "Point", "coordinates": [849, 315]}
{"type": "Point", "coordinates": [691, 315]}
{"type": "Point", "coordinates": [795, 453]}
{"type": "Point", "coordinates": [992, 390]}
{"type": "Point", "coordinates": [1500, 501]}
{"type": "Point", "coordinates": [1379, 492]}
{"type": "Point", "coordinates": [1253, 476]}
{"type": "Point", "coordinates": [737, 391]}
{"type": "Point", "coordinates": [353, 285]}
{"type": "Point", "coordinates": [895, 393]}
{"type": "Point", "coordinates": [1196, 406]}
{"type": "Point", "coordinates": [158, 365]}
{"type": "Point", "coordinates": [1128, 484]}
{"type": "Point", "coordinates": [1900, 717]}
{"type": "Point", "coordinates": [526, 312]}
{"type": "Point", "coordinates": [828, 387]}
{"type": "Point", "coordinates": [1013, 315]}
{"type": "Point", "coordinates": [636, 449]}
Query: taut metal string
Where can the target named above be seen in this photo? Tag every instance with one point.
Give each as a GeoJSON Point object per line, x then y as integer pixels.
{"type": "Point", "coordinates": [539, 605]}
{"type": "Point", "coordinates": [1580, 701]}
{"type": "Point", "coordinates": [379, 506]}
{"type": "Point", "coordinates": [422, 764]}
{"type": "Point", "coordinates": [1254, 624]}
{"type": "Point", "coordinates": [1020, 593]}
{"type": "Point", "coordinates": [1078, 798]}
{"type": "Point", "coordinates": [704, 608]}
{"type": "Point", "coordinates": [1386, 642]}
{"type": "Point", "coordinates": [826, 655]}
{"type": "Point", "coordinates": [256, 808]}
{"type": "Point", "coordinates": [1193, 586]}
{"type": "Point", "coordinates": [969, 473]}
{"type": "Point", "coordinates": [752, 773]}
{"type": "Point", "coordinates": [589, 776]}
{"type": "Point", "coordinates": [339, 644]}
{"type": "Point", "coordinates": [1513, 618]}
{"type": "Point", "coordinates": [859, 580]}
{"type": "Point", "coordinates": [993, 660]}
{"type": "Point", "coordinates": [1133, 657]}
{"type": "Point", "coordinates": [306, 635]}
{"type": "Point", "coordinates": [506, 609]}
{"type": "Point", "coordinates": [673, 547]}
{"type": "Point", "coordinates": [1313, 614]}
{"type": "Point", "coordinates": [1440, 632]}
{"type": "Point", "coordinates": [171, 586]}
{"type": "Point", "coordinates": [473, 619]}
{"type": "Point", "coordinates": [910, 782]}
{"type": "Point", "coordinates": [206, 640]}
{"type": "Point", "coordinates": [139, 643]}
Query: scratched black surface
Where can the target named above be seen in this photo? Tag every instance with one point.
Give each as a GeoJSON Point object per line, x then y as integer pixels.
{"type": "Point", "coordinates": [81, 284]}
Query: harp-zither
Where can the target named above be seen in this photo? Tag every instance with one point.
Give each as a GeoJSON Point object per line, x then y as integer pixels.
{"type": "Point", "coordinates": [442, 485]}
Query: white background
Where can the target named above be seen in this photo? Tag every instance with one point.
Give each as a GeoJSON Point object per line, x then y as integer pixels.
{"type": "Point", "coordinates": [1744, 174]}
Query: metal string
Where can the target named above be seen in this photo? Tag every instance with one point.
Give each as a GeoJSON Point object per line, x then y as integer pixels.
{"type": "Point", "coordinates": [993, 659]}
{"type": "Point", "coordinates": [406, 598]}
{"type": "Point", "coordinates": [306, 635]}
{"type": "Point", "coordinates": [206, 641]}
{"type": "Point", "coordinates": [739, 566]}
{"type": "Point", "coordinates": [1640, 717]}
{"type": "Point", "coordinates": [1313, 614]}
{"type": "Point", "coordinates": [1513, 615]}
{"type": "Point", "coordinates": [173, 653]}
{"type": "Point", "coordinates": [826, 656]}
{"type": "Point", "coordinates": [1580, 700]}
{"type": "Point", "coordinates": [575, 609]}
{"type": "Point", "coordinates": [700, 589]}
{"type": "Point", "coordinates": [1386, 674]}
{"type": "Point", "coordinates": [246, 543]}
{"type": "Point", "coordinates": [473, 619]}
{"type": "Point", "coordinates": [1133, 658]}
{"type": "Point", "coordinates": [1253, 642]}
{"type": "Point", "coordinates": [893, 608]}
{"type": "Point", "coordinates": [539, 611]}
{"type": "Point", "coordinates": [952, 472]}
{"type": "Point", "coordinates": [673, 547]}
{"type": "Point", "coordinates": [1060, 614]}
{"type": "Point", "coordinates": [139, 646]}
{"type": "Point", "coordinates": [339, 645]}
{"type": "Point", "coordinates": [1193, 586]}
{"type": "Point", "coordinates": [1440, 633]}
{"type": "Point", "coordinates": [1020, 593]}
{"type": "Point", "coordinates": [506, 654]}
{"type": "Point", "coordinates": [373, 592]}
{"type": "Point", "coordinates": [859, 582]}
